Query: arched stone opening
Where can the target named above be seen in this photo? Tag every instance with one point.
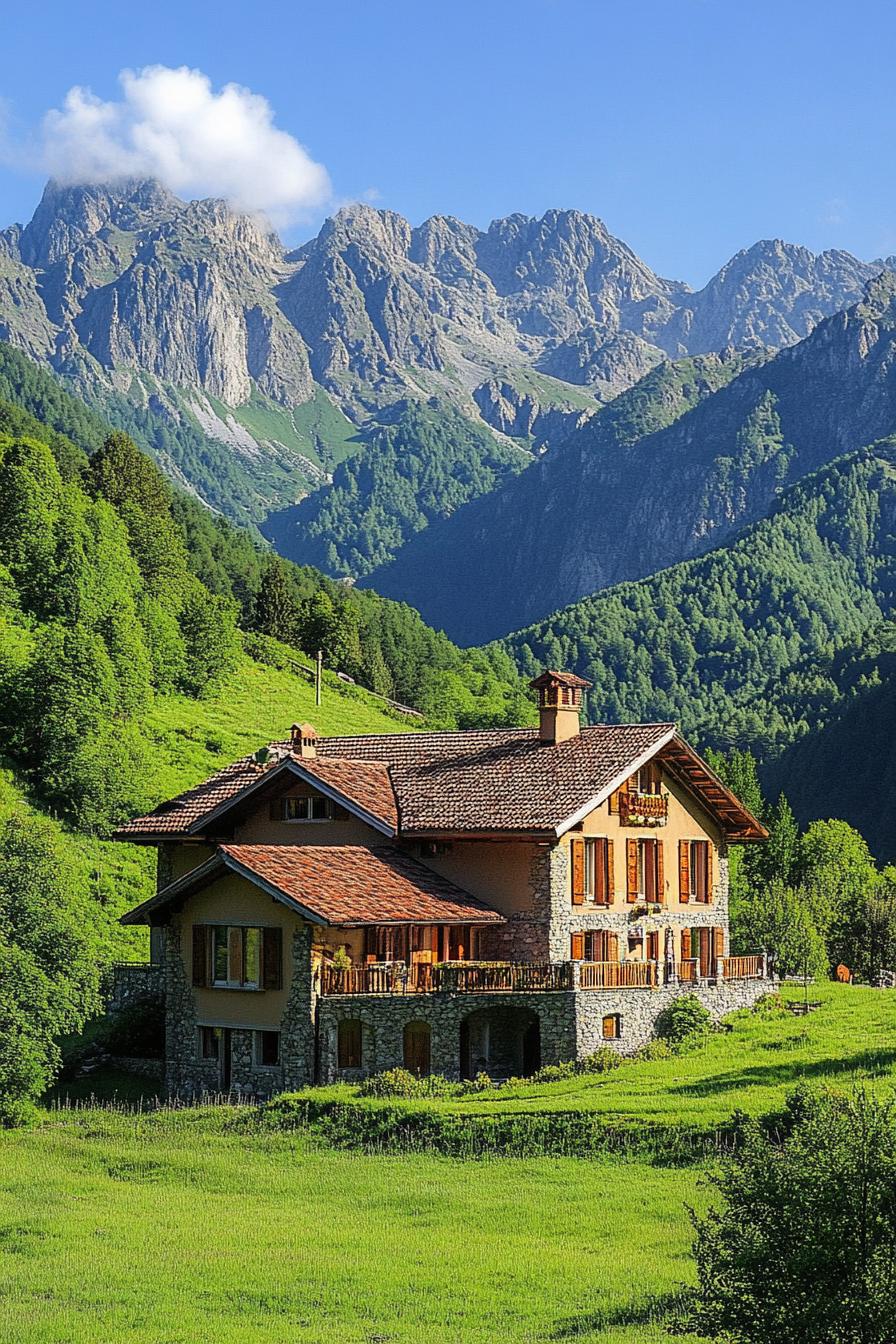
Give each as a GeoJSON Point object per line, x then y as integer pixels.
{"type": "Point", "coordinates": [504, 1042]}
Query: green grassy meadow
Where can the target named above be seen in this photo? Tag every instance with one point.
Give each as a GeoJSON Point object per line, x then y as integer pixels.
{"type": "Point", "coordinates": [179, 1227]}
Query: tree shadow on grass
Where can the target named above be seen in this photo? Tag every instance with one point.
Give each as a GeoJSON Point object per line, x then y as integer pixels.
{"type": "Point", "coordinates": [659, 1309]}
{"type": "Point", "coordinates": [873, 1062]}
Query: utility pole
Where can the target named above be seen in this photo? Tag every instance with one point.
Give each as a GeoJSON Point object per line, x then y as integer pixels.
{"type": "Point", "coordinates": [318, 676]}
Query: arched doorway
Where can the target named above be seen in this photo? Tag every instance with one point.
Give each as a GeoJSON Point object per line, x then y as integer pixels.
{"type": "Point", "coordinates": [504, 1042]}
{"type": "Point", "coordinates": [417, 1047]}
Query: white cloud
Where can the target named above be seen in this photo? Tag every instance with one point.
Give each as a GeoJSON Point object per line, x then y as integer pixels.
{"type": "Point", "coordinates": [172, 125]}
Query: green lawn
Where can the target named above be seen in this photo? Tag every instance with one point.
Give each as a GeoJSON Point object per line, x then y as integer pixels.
{"type": "Point", "coordinates": [751, 1067]}
{"type": "Point", "coordinates": [170, 1229]}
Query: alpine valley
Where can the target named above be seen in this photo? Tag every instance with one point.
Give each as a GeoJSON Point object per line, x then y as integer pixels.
{"type": "Point", "coordinates": [523, 432]}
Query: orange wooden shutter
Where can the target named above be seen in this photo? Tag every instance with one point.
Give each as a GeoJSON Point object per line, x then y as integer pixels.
{"type": "Point", "coordinates": [600, 871]}
{"type": "Point", "coordinates": [708, 896]}
{"type": "Point", "coordinates": [616, 795]}
{"type": "Point", "coordinates": [577, 946]}
{"type": "Point", "coordinates": [200, 954]}
{"type": "Point", "coordinates": [631, 867]}
{"type": "Point", "coordinates": [578, 870]}
{"type": "Point", "coordinates": [613, 947]}
{"type": "Point", "coordinates": [272, 958]}
{"type": "Point", "coordinates": [611, 873]}
{"type": "Point", "coordinates": [684, 870]}
{"type": "Point", "coordinates": [685, 944]}
{"type": "Point", "coordinates": [660, 879]}
{"type": "Point", "coordinates": [719, 939]}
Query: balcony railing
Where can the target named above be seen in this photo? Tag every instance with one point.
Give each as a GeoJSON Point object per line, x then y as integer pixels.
{"type": "Point", "coordinates": [743, 968]}
{"type": "Point", "coordinates": [459, 977]}
{"type": "Point", "coordinates": [643, 809]}
{"type": "Point", "coordinates": [618, 974]}
{"type": "Point", "coordinates": [501, 977]}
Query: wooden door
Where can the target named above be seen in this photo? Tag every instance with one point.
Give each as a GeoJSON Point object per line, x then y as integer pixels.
{"type": "Point", "coordinates": [417, 1047]}
{"type": "Point", "coordinates": [705, 950]}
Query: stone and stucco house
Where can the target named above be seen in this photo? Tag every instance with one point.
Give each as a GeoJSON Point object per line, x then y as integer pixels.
{"type": "Point", "coordinates": [456, 902]}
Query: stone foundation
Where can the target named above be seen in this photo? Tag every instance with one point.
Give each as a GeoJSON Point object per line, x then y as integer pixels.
{"type": "Point", "coordinates": [638, 1010]}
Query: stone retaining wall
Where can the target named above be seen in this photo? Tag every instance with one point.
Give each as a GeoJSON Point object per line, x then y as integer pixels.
{"type": "Point", "coordinates": [638, 1009]}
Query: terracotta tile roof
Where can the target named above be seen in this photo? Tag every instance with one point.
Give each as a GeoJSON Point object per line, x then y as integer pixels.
{"type": "Point", "coordinates": [366, 783]}
{"type": "Point", "coordinates": [502, 779]}
{"type": "Point", "coordinates": [341, 884]}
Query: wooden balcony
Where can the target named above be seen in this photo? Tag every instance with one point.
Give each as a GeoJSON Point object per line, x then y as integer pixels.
{"type": "Point", "coordinates": [643, 809]}
{"type": "Point", "coordinates": [457, 977]}
{"type": "Point", "coordinates": [743, 968]}
{"type": "Point", "coordinates": [618, 974]}
{"type": "Point", "coordinates": [500, 977]}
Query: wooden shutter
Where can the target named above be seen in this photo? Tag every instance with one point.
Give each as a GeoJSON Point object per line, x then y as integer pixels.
{"type": "Point", "coordinates": [631, 870]}
{"type": "Point", "coordinates": [684, 870]}
{"type": "Point", "coordinates": [719, 942]}
{"type": "Point", "coordinates": [200, 954]}
{"type": "Point", "coordinates": [616, 795]}
{"type": "Point", "coordinates": [613, 947]}
{"type": "Point", "coordinates": [577, 946]}
{"type": "Point", "coordinates": [577, 848]}
{"type": "Point", "coordinates": [600, 871]}
{"type": "Point", "coordinates": [660, 878]}
{"type": "Point", "coordinates": [708, 896]}
{"type": "Point", "coordinates": [685, 944]}
{"type": "Point", "coordinates": [611, 874]}
{"type": "Point", "coordinates": [272, 958]}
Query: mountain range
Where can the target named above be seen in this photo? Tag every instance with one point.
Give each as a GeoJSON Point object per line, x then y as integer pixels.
{"type": "Point", "coordinates": [249, 369]}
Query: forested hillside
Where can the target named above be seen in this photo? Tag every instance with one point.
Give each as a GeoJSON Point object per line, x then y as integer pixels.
{"type": "Point", "coordinates": [604, 507]}
{"type": "Point", "coordinates": [738, 645]}
{"type": "Point", "coordinates": [424, 462]}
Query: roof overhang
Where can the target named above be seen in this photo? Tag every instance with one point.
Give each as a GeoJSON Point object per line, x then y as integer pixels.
{"type": "Point", "coordinates": [630, 768]}
{"type": "Point", "coordinates": [202, 876]}
{"type": "Point", "coordinates": [288, 767]}
{"type": "Point", "coordinates": [701, 781]}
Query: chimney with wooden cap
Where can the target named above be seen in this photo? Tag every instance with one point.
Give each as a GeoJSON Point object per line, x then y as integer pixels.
{"type": "Point", "coordinates": [303, 740]}
{"type": "Point", "coordinates": [559, 705]}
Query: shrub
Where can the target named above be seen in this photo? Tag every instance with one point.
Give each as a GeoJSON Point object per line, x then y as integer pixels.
{"type": "Point", "coordinates": [603, 1060]}
{"type": "Point", "coordinates": [769, 1005]}
{"type": "Point", "coordinates": [658, 1049]}
{"type": "Point", "coordinates": [686, 1020]}
{"type": "Point", "coordinates": [481, 1083]}
{"type": "Point", "coordinates": [403, 1083]}
{"type": "Point", "coordinates": [555, 1073]}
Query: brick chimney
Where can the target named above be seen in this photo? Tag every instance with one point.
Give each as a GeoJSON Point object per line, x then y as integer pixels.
{"type": "Point", "coordinates": [559, 705]}
{"type": "Point", "coordinates": [303, 740]}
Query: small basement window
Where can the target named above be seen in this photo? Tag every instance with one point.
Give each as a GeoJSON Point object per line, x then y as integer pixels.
{"type": "Point", "coordinates": [210, 1042]}
{"type": "Point", "coordinates": [267, 1048]}
{"type": "Point", "coordinates": [314, 807]}
{"type": "Point", "coordinates": [611, 1027]}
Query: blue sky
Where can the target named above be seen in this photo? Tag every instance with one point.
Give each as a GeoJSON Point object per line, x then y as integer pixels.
{"type": "Point", "coordinates": [692, 127]}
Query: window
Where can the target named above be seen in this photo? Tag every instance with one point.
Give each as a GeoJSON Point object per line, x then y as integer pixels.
{"type": "Point", "coordinates": [267, 1048]}
{"type": "Point", "coordinates": [592, 870]}
{"type": "Point", "coordinates": [644, 875]}
{"type": "Point", "coordinates": [236, 956]}
{"type": "Point", "coordinates": [349, 1044]}
{"type": "Point", "coordinates": [648, 779]}
{"type": "Point", "coordinates": [236, 960]}
{"type": "Point", "coordinates": [695, 870]}
{"type": "Point", "coordinates": [311, 808]}
{"type": "Point", "coordinates": [601, 945]}
{"type": "Point", "coordinates": [611, 1027]}
{"type": "Point", "coordinates": [210, 1042]}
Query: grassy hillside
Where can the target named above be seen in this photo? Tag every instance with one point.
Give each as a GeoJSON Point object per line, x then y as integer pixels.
{"type": "Point", "coordinates": [177, 1227]}
{"type": "Point", "coordinates": [675, 1104]}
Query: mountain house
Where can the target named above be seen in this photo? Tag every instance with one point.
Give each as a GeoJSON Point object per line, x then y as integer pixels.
{"type": "Point", "coordinates": [454, 902]}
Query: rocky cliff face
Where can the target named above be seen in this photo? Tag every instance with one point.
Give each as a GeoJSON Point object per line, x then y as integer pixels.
{"type": "Point", "coordinates": [135, 293]}
{"type": "Point", "coordinates": [666, 471]}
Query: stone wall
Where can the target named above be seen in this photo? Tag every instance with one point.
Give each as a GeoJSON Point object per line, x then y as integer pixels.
{"type": "Point", "coordinates": [638, 1009]}
{"type": "Point", "coordinates": [384, 1019]}
{"type": "Point", "coordinates": [134, 982]}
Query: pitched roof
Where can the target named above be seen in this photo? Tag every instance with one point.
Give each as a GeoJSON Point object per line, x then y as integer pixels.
{"type": "Point", "coordinates": [504, 780]}
{"type": "Point", "coordinates": [552, 678]}
{"type": "Point", "coordinates": [335, 884]}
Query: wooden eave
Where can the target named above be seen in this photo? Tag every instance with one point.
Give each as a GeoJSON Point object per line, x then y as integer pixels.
{"type": "Point", "coordinates": [703, 784]}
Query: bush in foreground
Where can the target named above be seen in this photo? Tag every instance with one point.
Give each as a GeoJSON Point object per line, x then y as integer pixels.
{"type": "Point", "coordinates": [802, 1248]}
{"type": "Point", "coordinates": [684, 1022]}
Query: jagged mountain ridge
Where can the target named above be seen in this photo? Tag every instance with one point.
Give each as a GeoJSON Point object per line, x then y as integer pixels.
{"type": "Point", "coordinates": [201, 315]}
{"type": "Point", "coordinates": [665, 472]}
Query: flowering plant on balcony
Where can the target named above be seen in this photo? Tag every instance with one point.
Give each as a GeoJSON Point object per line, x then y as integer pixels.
{"type": "Point", "coordinates": [644, 809]}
